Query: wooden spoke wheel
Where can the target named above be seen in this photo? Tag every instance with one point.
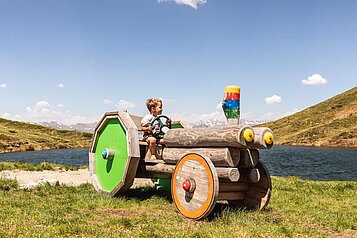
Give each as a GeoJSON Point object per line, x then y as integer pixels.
{"type": "Point", "coordinates": [258, 194]}
{"type": "Point", "coordinates": [194, 186]}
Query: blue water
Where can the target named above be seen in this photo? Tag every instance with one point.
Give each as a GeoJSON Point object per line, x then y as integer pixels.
{"type": "Point", "coordinates": [316, 163]}
{"type": "Point", "coordinates": [76, 157]}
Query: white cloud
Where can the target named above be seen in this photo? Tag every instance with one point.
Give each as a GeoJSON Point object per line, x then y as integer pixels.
{"type": "Point", "coordinates": [192, 3]}
{"type": "Point", "coordinates": [60, 105]}
{"type": "Point", "coordinates": [3, 86]}
{"type": "Point", "coordinates": [107, 101]}
{"type": "Point", "coordinates": [191, 118]}
{"type": "Point", "coordinates": [124, 105]}
{"type": "Point", "coordinates": [60, 85]}
{"type": "Point", "coordinates": [43, 111]}
{"type": "Point", "coordinates": [273, 99]}
{"type": "Point", "coordinates": [315, 79]}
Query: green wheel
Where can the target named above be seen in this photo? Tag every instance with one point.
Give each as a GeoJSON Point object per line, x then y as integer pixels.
{"type": "Point", "coordinates": [114, 153]}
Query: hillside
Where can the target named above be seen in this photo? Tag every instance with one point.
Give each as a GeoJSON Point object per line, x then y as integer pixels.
{"type": "Point", "coordinates": [329, 123]}
{"type": "Point", "coordinates": [19, 136]}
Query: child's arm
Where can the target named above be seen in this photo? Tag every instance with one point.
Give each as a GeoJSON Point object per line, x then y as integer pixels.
{"type": "Point", "coordinates": [147, 128]}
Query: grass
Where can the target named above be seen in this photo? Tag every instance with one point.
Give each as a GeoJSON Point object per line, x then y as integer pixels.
{"type": "Point", "coordinates": [21, 165]}
{"type": "Point", "coordinates": [329, 123]}
{"type": "Point", "coordinates": [20, 136]}
{"type": "Point", "coordinates": [298, 208]}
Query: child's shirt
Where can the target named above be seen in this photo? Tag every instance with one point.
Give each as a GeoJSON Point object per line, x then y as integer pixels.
{"type": "Point", "coordinates": [147, 120]}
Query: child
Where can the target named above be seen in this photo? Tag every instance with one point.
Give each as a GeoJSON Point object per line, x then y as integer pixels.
{"type": "Point", "coordinates": [154, 106]}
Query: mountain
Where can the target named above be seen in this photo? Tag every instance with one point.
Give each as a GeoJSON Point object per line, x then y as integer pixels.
{"type": "Point", "coordinates": [215, 122]}
{"type": "Point", "coordinates": [20, 136]}
{"type": "Point", "coordinates": [329, 123]}
{"type": "Point", "coordinates": [84, 127]}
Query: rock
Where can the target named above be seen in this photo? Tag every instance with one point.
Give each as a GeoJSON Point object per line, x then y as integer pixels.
{"type": "Point", "coordinates": [42, 182]}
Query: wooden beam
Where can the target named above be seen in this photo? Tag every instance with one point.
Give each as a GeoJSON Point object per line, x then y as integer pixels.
{"type": "Point", "coordinates": [221, 157]}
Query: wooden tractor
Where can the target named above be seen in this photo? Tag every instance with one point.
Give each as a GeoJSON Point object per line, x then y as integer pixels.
{"type": "Point", "coordinates": [205, 165]}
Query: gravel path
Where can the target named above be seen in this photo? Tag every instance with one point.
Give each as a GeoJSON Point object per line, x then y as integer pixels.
{"type": "Point", "coordinates": [70, 178]}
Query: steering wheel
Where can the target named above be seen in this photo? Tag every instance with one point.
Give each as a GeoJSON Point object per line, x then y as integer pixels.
{"type": "Point", "coordinates": [159, 126]}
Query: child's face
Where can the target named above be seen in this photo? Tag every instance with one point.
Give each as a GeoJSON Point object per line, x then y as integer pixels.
{"type": "Point", "coordinates": [157, 110]}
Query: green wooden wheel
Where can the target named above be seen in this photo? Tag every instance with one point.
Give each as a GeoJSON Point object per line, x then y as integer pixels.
{"type": "Point", "coordinates": [114, 153]}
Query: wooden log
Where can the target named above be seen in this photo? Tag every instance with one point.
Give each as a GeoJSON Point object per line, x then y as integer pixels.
{"type": "Point", "coordinates": [228, 174]}
{"type": "Point", "coordinates": [249, 175]}
{"type": "Point", "coordinates": [161, 170]}
{"type": "Point", "coordinates": [222, 136]}
{"type": "Point", "coordinates": [260, 139]}
{"type": "Point", "coordinates": [248, 158]}
{"type": "Point", "coordinates": [231, 196]}
{"type": "Point", "coordinates": [233, 187]}
{"type": "Point", "coordinates": [221, 157]}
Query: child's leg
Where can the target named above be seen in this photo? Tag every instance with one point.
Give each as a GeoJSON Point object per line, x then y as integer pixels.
{"type": "Point", "coordinates": [152, 145]}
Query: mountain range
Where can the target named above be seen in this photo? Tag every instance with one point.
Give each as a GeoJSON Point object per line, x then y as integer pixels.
{"type": "Point", "coordinates": [90, 127]}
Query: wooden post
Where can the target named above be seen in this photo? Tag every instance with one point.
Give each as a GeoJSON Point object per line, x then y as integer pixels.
{"type": "Point", "coordinates": [221, 157]}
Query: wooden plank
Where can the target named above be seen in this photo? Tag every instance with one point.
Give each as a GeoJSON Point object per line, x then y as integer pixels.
{"type": "Point", "coordinates": [221, 157]}
{"type": "Point", "coordinates": [221, 136]}
{"type": "Point", "coordinates": [248, 158]}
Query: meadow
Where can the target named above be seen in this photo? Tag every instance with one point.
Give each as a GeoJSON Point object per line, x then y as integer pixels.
{"type": "Point", "coordinates": [298, 208]}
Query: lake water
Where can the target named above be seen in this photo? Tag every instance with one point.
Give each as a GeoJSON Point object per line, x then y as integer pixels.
{"type": "Point", "coordinates": [316, 163]}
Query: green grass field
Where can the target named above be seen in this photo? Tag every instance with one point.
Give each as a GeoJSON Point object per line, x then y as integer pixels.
{"type": "Point", "coordinates": [298, 208]}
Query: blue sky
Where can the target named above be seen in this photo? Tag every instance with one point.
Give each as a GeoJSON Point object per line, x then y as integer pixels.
{"type": "Point", "coordinates": [71, 61]}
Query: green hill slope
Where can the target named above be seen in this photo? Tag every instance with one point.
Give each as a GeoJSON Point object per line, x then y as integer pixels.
{"type": "Point", "coordinates": [19, 136]}
{"type": "Point", "coordinates": [329, 123]}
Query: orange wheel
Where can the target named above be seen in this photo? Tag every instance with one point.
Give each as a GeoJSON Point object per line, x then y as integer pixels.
{"type": "Point", "coordinates": [194, 186]}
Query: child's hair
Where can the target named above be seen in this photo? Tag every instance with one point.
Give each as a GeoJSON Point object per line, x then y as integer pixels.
{"type": "Point", "coordinates": [152, 103]}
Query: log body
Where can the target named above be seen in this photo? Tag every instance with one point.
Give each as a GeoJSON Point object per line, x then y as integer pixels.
{"type": "Point", "coordinates": [162, 170]}
{"type": "Point", "coordinates": [222, 136]}
{"type": "Point", "coordinates": [221, 157]}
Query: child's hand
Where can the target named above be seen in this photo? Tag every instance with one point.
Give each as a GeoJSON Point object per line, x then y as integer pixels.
{"type": "Point", "coordinates": [168, 121]}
